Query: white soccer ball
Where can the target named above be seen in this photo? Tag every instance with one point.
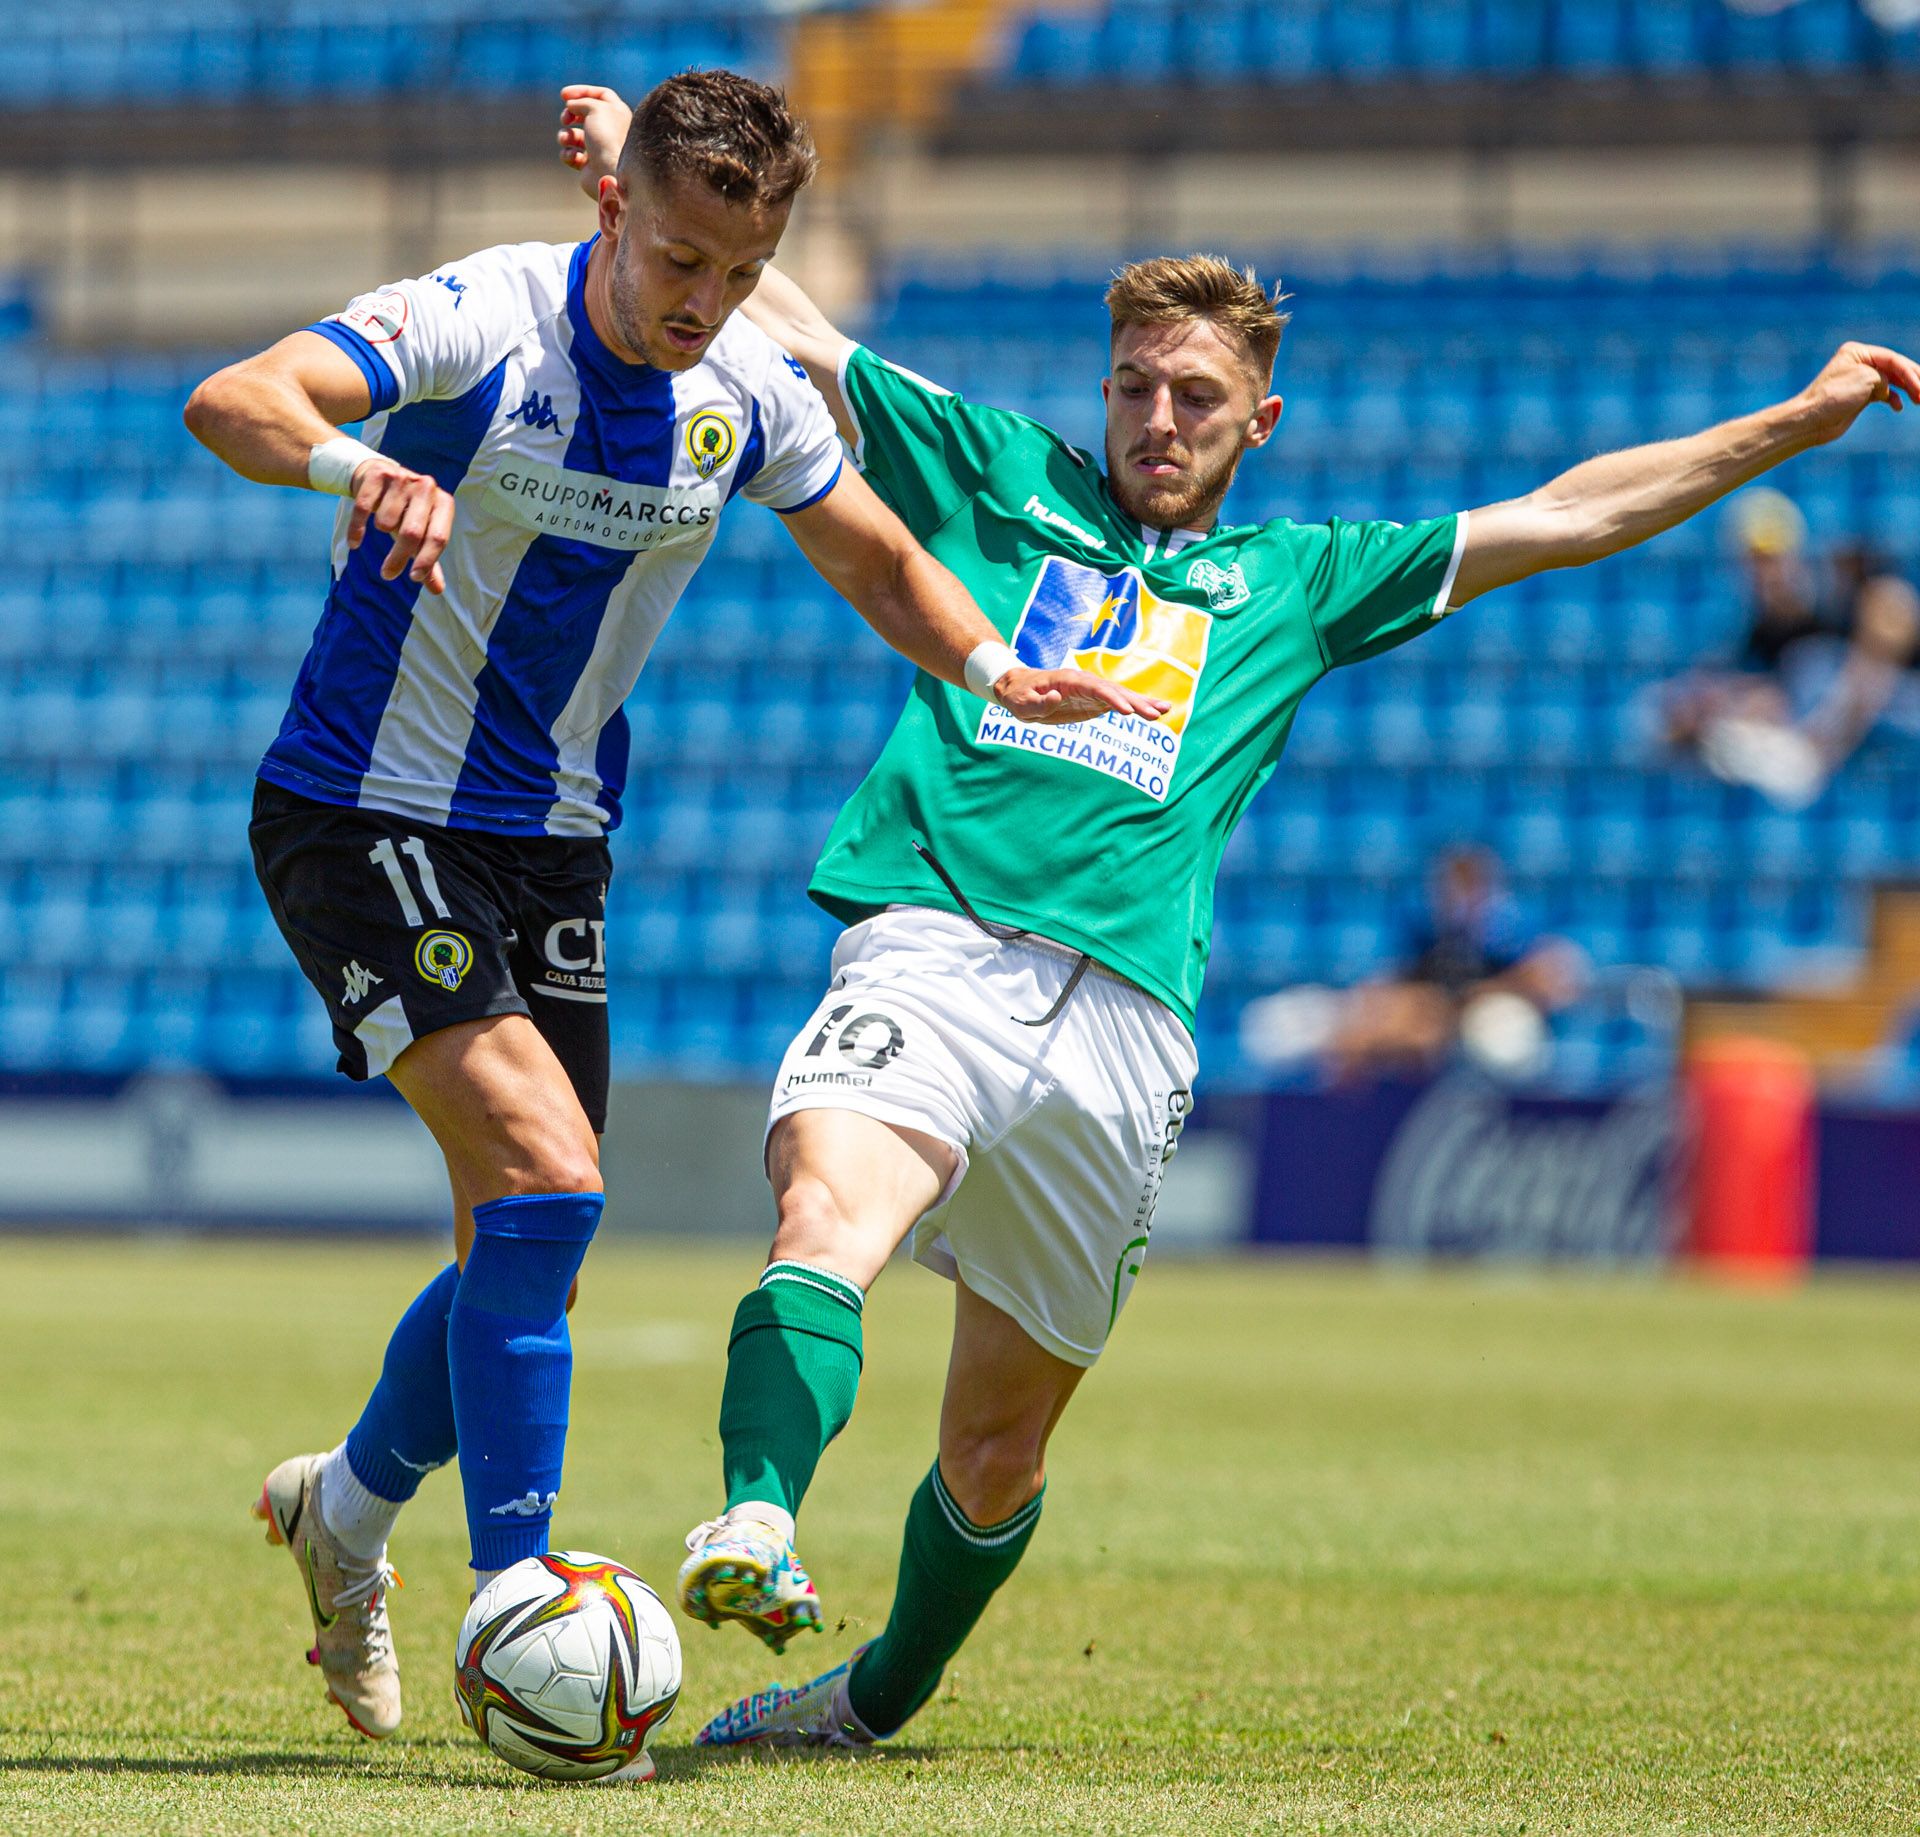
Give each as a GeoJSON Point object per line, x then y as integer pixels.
{"type": "Point", "coordinates": [566, 1665]}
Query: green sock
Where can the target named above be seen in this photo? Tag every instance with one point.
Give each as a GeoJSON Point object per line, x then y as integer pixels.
{"type": "Point", "coordinates": [949, 1570]}
{"type": "Point", "coordinates": [793, 1368]}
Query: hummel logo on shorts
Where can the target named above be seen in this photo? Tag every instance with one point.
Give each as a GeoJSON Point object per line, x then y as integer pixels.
{"type": "Point", "coordinates": [359, 983]}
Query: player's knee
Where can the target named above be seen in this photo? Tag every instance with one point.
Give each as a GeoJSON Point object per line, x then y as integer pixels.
{"type": "Point", "coordinates": [550, 1163]}
{"type": "Point", "coordinates": [813, 1227]}
{"type": "Point", "coordinates": [992, 1471]}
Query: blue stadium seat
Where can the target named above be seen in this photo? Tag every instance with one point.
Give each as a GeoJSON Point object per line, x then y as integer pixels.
{"type": "Point", "coordinates": [144, 664]}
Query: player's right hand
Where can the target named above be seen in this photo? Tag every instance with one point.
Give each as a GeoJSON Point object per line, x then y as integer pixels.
{"type": "Point", "coordinates": [412, 509]}
{"type": "Point", "coordinates": [593, 129]}
{"type": "Point", "coordinates": [1856, 377]}
{"type": "Point", "coordinates": [1055, 697]}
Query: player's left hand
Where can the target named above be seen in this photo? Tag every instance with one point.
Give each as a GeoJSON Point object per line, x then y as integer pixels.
{"type": "Point", "coordinates": [593, 129]}
{"type": "Point", "coordinates": [1055, 697]}
{"type": "Point", "coordinates": [1857, 376]}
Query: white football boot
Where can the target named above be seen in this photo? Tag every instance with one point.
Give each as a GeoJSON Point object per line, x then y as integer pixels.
{"type": "Point", "coordinates": [816, 1715]}
{"type": "Point", "coordinates": [739, 1567]}
{"type": "Point", "coordinates": [347, 1597]}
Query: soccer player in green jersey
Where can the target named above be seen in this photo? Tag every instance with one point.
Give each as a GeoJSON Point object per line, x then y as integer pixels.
{"type": "Point", "coordinates": [1004, 1057]}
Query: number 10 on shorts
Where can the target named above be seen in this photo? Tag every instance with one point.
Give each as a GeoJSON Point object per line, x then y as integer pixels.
{"type": "Point", "coordinates": [869, 1041]}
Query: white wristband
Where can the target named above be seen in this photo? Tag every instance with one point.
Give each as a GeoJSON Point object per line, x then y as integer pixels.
{"type": "Point", "coordinates": [332, 464]}
{"type": "Point", "coordinates": [987, 663]}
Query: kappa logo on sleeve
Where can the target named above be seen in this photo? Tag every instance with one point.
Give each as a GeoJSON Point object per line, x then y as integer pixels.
{"type": "Point", "coordinates": [1111, 625]}
{"type": "Point", "coordinates": [379, 318]}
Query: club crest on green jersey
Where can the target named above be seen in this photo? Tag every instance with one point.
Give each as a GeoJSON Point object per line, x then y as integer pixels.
{"type": "Point", "coordinates": [1225, 588]}
{"type": "Point", "coordinates": [1114, 626]}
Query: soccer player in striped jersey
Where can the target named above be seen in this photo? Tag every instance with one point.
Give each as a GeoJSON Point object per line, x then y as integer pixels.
{"type": "Point", "coordinates": [552, 435]}
{"type": "Point", "coordinates": [1003, 1060]}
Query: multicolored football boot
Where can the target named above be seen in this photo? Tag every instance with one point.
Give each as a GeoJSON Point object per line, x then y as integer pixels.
{"type": "Point", "coordinates": [741, 1568]}
{"type": "Point", "coordinates": [352, 1640]}
{"type": "Point", "coordinates": [816, 1715]}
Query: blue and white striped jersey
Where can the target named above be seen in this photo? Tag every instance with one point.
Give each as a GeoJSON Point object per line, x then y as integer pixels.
{"type": "Point", "coordinates": [587, 492]}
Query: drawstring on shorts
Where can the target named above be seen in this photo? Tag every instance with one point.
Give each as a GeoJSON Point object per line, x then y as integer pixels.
{"type": "Point", "coordinates": [1005, 934]}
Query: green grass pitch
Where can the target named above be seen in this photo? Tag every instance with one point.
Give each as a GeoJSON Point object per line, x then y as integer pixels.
{"type": "Point", "coordinates": [1328, 1549]}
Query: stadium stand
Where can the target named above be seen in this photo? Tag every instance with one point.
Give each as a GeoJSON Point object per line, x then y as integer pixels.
{"type": "Point", "coordinates": [154, 55]}
{"type": "Point", "coordinates": [1148, 42]}
{"type": "Point", "coordinates": [155, 609]}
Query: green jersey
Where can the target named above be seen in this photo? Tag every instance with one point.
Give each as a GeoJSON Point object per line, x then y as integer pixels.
{"type": "Point", "coordinates": [1106, 835]}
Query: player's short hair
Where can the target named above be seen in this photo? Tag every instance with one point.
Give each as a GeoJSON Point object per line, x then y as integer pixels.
{"type": "Point", "coordinates": [727, 131]}
{"type": "Point", "coordinates": [1172, 289]}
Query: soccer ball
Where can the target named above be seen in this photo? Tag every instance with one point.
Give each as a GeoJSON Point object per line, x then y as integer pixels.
{"type": "Point", "coordinates": [566, 1664]}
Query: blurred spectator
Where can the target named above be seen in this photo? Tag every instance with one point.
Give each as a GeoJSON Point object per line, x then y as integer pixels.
{"type": "Point", "coordinates": [1827, 654]}
{"type": "Point", "coordinates": [1471, 974]}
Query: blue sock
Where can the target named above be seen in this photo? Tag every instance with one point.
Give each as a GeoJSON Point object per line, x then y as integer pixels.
{"type": "Point", "coordinates": [407, 1429]}
{"type": "Point", "coordinates": [512, 1366]}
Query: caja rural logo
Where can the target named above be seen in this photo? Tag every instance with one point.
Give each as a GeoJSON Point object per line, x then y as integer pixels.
{"type": "Point", "coordinates": [1111, 625]}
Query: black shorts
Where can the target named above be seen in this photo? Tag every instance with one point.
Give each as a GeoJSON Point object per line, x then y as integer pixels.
{"type": "Point", "coordinates": [406, 927]}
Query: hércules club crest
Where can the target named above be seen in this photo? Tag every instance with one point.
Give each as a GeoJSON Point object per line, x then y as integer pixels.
{"type": "Point", "coordinates": [710, 441]}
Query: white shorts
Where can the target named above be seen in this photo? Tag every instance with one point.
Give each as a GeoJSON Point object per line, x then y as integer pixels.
{"type": "Point", "coordinates": [1062, 1131]}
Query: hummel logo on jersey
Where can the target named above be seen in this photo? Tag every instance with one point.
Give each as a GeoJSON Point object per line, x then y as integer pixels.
{"type": "Point", "coordinates": [1054, 520]}
{"type": "Point", "coordinates": [359, 983]}
{"type": "Point", "coordinates": [536, 411]}
{"type": "Point", "coordinates": [528, 1505]}
{"type": "Point", "coordinates": [1225, 588]}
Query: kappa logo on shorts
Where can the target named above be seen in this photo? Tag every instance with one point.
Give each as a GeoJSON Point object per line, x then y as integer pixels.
{"type": "Point", "coordinates": [360, 982]}
{"type": "Point", "coordinates": [1111, 624]}
{"type": "Point", "coordinates": [443, 957]}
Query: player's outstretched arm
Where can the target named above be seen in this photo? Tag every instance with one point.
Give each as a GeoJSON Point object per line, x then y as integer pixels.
{"type": "Point", "coordinates": [275, 419]}
{"type": "Point", "coordinates": [865, 553]}
{"type": "Point", "coordinates": [593, 129]}
{"type": "Point", "coordinates": [1611, 503]}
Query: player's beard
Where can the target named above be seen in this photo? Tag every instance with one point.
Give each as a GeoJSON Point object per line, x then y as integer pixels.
{"type": "Point", "coordinates": [634, 325]}
{"type": "Point", "coordinates": [630, 317]}
{"type": "Point", "coordinates": [1189, 500]}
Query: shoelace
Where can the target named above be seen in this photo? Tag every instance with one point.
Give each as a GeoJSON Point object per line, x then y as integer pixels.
{"type": "Point", "coordinates": [369, 1594]}
{"type": "Point", "coordinates": [714, 1526]}
{"type": "Point", "coordinates": [701, 1532]}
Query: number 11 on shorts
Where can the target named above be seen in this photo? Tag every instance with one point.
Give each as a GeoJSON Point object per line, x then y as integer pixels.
{"type": "Point", "coordinates": [382, 855]}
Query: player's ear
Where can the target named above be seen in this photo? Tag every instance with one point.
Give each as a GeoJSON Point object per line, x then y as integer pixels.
{"type": "Point", "coordinates": [1264, 419]}
{"type": "Point", "coordinates": [613, 206]}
